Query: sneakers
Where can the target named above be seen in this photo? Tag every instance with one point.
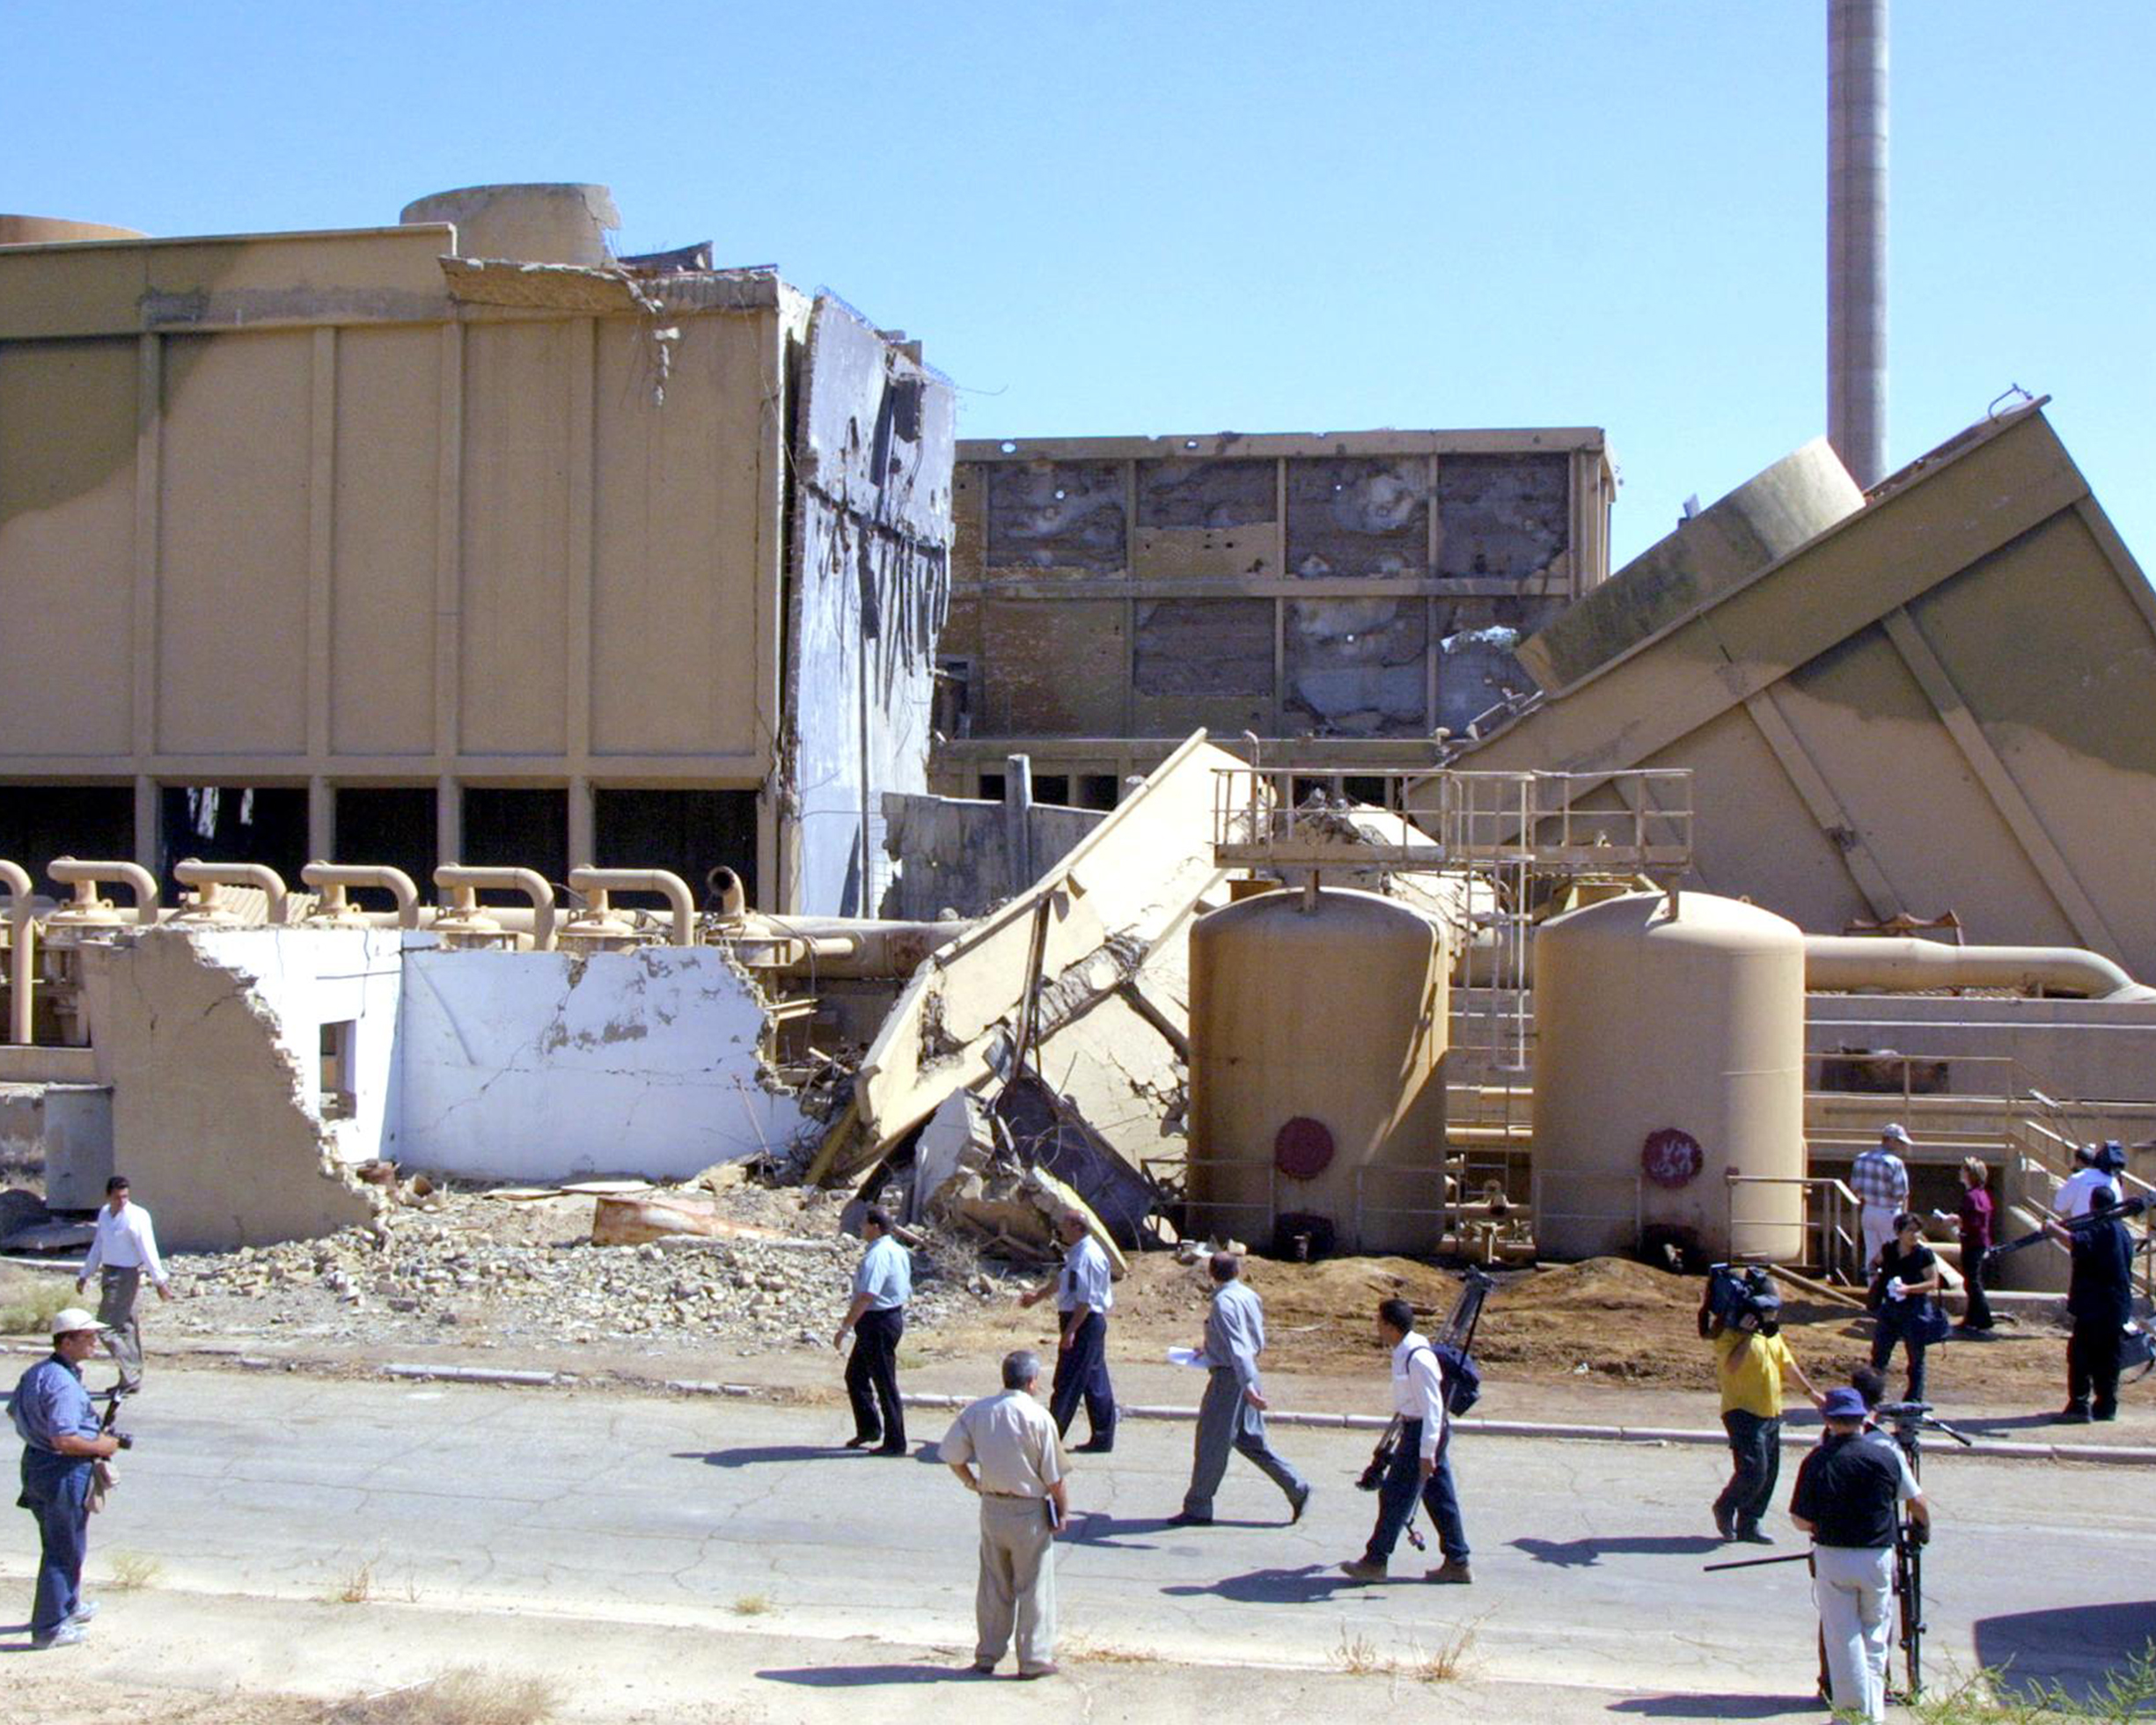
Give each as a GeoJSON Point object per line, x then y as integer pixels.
{"type": "Point", "coordinates": [1454, 1572]}
{"type": "Point", "coordinates": [84, 1610]}
{"type": "Point", "coordinates": [1298, 1503]}
{"type": "Point", "coordinates": [68, 1635]}
{"type": "Point", "coordinates": [1361, 1569]}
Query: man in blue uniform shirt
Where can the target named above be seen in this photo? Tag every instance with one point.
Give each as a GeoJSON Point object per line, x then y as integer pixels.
{"type": "Point", "coordinates": [876, 1320]}
{"type": "Point", "coordinates": [1084, 1298]}
{"type": "Point", "coordinates": [61, 1446]}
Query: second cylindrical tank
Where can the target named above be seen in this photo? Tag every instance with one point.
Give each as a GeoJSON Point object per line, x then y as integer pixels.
{"type": "Point", "coordinates": [1669, 1052]}
{"type": "Point", "coordinates": [1318, 1030]}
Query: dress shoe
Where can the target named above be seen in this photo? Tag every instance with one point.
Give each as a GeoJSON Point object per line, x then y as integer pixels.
{"type": "Point", "coordinates": [1361, 1569]}
{"type": "Point", "coordinates": [864, 1442]}
{"type": "Point", "coordinates": [2073, 1414]}
{"type": "Point", "coordinates": [1094, 1446]}
{"type": "Point", "coordinates": [1453, 1572]}
{"type": "Point", "coordinates": [2104, 1413]}
{"type": "Point", "coordinates": [1040, 1671]}
{"type": "Point", "coordinates": [1183, 1518]}
{"type": "Point", "coordinates": [1754, 1536]}
{"type": "Point", "coordinates": [890, 1450]}
{"type": "Point", "coordinates": [1298, 1503]}
{"type": "Point", "coordinates": [982, 1668]}
{"type": "Point", "coordinates": [1723, 1524]}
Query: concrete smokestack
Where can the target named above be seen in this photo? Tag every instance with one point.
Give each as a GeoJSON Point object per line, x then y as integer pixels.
{"type": "Point", "coordinates": [1856, 236]}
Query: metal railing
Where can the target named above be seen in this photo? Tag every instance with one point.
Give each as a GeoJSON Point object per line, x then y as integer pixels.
{"type": "Point", "coordinates": [1831, 1213]}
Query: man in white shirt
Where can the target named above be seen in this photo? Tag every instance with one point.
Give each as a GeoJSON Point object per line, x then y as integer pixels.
{"type": "Point", "coordinates": [1012, 1440]}
{"type": "Point", "coordinates": [1084, 1298]}
{"type": "Point", "coordinates": [124, 1246]}
{"type": "Point", "coordinates": [1421, 1465]}
{"type": "Point", "coordinates": [883, 1283]}
{"type": "Point", "coordinates": [1880, 1178]}
{"type": "Point", "coordinates": [2074, 1194]}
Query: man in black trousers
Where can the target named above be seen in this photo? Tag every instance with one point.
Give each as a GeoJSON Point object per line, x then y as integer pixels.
{"type": "Point", "coordinates": [2099, 1300]}
{"type": "Point", "coordinates": [876, 1320]}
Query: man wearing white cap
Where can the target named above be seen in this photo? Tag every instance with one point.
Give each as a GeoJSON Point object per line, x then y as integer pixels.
{"type": "Point", "coordinates": [63, 1445]}
{"type": "Point", "coordinates": [1880, 1178]}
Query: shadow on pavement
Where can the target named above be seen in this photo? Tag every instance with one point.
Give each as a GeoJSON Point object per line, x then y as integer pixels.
{"type": "Point", "coordinates": [759, 1454]}
{"type": "Point", "coordinates": [1585, 1553]}
{"type": "Point", "coordinates": [1718, 1707]}
{"type": "Point", "coordinates": [2079, 1648]}
{"type": "Point", "coordinates": [1310, 1584]}
{"type": "Point", "coordinates": [869, 1676]}
{"type": "Point", "coordinates": [2008, 1422]}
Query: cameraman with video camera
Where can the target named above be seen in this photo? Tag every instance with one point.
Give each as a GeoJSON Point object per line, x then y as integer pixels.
{"type": "Point", "coordinates": [1741, 1314]}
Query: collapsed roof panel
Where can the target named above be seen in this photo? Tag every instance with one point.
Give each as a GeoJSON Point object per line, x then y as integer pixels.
{"type": "Point", "coordinates": [1946, 701]}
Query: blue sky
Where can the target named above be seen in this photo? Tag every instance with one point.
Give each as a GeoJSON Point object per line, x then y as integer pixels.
{"type": "Point", "coordinates": [1122, 218]}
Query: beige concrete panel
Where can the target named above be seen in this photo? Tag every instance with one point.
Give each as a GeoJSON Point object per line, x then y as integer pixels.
{"type": "Point", "coordinates": [674, 593]}
{"type": "Point", "coordinates": [67, 544]}
{"type": "Point", "coordinates": [2058, 666]}
{"type": "Point", "coordinates": [514, 649]}
{"type": "Point", "coordinates": [1859, 712]}
{"type": "Point", "coordinates": [233, 554]}
{"type": "Point", "coordinates": [1751, 832]}
{"type": "Point", "coordinates": [382, 596]}
{"type": "Point", "coordinates": [1051, 667]}
{"type": "Point", "coordinates": [71, 289]}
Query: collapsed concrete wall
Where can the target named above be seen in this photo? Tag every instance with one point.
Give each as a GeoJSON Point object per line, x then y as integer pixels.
{"type": "Point", "coordinates": [543, 1066]}
{"type": "Point", "coordinates": [954, 853]}
{"type": "Point", "coordinates": [216, 1091]}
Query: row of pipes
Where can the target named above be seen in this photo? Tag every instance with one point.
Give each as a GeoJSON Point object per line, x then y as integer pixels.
{"type": "Point", "coordinates": [831, 946]}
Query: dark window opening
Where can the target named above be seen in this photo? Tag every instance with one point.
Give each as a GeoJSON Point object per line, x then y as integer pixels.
{"type": "Point", "coordinates": [991, 786]}
{"type": "Point", "coordinates": [1052, 787]}
{"type": "Point", "coordinates": [265, 824]}
{"type": "Point", "coordinates": [40, 822]}
{"type": "Point", "coordinates": [1097, 790]}
{"type": "Point", "coordinates": [517, 829]}
{"type": "Point", "coordinates": [689, 832]}
{"type": "Point", "coordinates": [387, 826]}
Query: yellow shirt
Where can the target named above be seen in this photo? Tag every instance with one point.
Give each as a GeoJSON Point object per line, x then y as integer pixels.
{"type": "Point", "coordinates": [1753, 1385]}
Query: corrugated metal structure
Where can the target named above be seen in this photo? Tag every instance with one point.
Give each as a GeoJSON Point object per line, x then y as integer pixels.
{"type": "Point", "coordinates": [347, 544]}
{"type": "Point", "coordinates": [1945, 700]}
{"type": "Point", "coordinates": [1111, 595]}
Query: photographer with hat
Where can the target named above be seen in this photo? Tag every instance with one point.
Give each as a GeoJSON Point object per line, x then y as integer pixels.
{"type": "Point", "coordinates": [63, 1443]}
{"type": "Point", "coordinates": [1848, 1498]}
{"type": "Point", "coordinates": [1750, 1359]}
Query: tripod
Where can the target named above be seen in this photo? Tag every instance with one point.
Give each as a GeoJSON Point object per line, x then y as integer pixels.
{"type": "Point", "coordinates": [1907, 1422]}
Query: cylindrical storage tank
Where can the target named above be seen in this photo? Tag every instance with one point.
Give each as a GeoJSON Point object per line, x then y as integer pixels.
{"type": "Point", "coordinates": [1317, 1031]}
{"type": "Point", "coordinates": [58, 231]}
{"type": "Point", "coordinates": [1668, 1054]}
{"type": "Point", "coordinates": [535, 223]}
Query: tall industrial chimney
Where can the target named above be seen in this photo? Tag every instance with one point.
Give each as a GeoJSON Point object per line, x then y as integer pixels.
{"type": "Point", "coordinates": [1856, 236]}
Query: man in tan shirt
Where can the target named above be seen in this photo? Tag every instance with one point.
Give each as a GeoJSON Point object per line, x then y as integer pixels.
{"type": "Point", "coordinates": [1012, 1440]}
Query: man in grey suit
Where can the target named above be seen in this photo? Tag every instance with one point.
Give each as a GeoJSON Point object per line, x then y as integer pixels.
{"type": "Point", "coordinates": [1233, 1413]}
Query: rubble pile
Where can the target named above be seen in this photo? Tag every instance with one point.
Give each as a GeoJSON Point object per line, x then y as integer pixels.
{"type": "Point", "coordinates": [484, 1273]}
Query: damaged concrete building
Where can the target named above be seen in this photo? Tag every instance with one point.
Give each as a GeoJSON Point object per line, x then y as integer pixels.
{"type": "Point", "coordinates": [1112, 595]}
{"type": "Point", "coordinates": [462, 540]}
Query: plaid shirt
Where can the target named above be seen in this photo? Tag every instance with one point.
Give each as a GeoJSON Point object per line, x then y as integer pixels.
{"type": "Point", "coordinates": [1879, 1176]}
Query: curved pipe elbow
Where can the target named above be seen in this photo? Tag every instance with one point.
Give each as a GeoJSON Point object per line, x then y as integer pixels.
{"type": "Point", "coordinates": [22, 952]}
{"type": "Point", "coordinates": [73, 872]}
{"type": "Point", "coordinates": [1838, 964]}
{"type": "Point", "coordinates": [260, 876]}
{"type": "Point", "coordinates": [395, 882]}
{"type": "Point", "coordinates": [529, 882]}
{"type": "Point", "coordinates": [676, 890]}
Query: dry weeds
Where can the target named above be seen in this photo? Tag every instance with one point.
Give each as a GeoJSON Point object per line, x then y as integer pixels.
{"type": "Point", "coordinates": [356, 1588]}
{"type": "Point", "coordinates": [127, 1572]}
{"type": "Point", "coordinates": [752, 1605]}
{"type": "Point", "coordinates": [465, 1696]}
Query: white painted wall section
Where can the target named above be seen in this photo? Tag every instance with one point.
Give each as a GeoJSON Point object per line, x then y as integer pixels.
{"type": "Point", "coordinates": [545, 1066]}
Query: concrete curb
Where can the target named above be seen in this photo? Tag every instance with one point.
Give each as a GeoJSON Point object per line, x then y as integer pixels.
{"type": "Point", "coordinates": [471, 1375]}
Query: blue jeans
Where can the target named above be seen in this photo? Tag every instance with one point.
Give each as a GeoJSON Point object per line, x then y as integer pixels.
{"type": "Point", "coordinates": [1755, 1445]}
{"type": "Point", "coordinates": [1403, 1483]}
{"type": "Point", "coordinates": [1898, 1323]}
{"type": "Point", "coordinates": [56, 1490]}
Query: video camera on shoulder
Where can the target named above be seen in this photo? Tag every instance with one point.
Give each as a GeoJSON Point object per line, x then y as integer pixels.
{"type": "Point", "coordinates": [1746, 1300]}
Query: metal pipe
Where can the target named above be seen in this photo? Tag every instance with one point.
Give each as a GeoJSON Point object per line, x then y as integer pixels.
{"type": "Point", "coordinates": [465, 884]}
{"type": "Point", "coordinates": [1836, 964]}
{"type": "Point", "coordinates": [334, 877]}
{"type": "Point", "coordinates": [595, 883]}
{"type": "Point", "coordinates": [86, 878]}
{"type": "Point", "coordinates": [1856, 236]}
{"type": "Point", "coordinates": [22, 948]}
{"type": "Point", "coordinates": [211, 876]}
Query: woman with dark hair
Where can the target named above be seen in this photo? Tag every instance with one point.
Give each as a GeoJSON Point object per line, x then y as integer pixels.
{"type": "Point", "coordinates": [1906, 1295]}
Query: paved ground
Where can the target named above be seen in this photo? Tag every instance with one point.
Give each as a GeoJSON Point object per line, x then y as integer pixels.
{"type": "Point", "coordinates": [500, 1510]}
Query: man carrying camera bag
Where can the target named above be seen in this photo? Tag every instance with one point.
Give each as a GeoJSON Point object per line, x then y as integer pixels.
{"type": "Point", "coordinates": [1419, 1464]}
{"type": "Point", "coordinates": [1741, 1316]}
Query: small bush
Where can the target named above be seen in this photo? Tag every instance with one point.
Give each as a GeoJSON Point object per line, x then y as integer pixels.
{"type": "Point", "coordinates": [1996, 1698]}
{"type": "Point", "coordinates": [129, 1572]}
{"type": "Point", "coordinates": [752, 1605]}
{"type": "Point", "coordinates": [465, 1696]}
{"type": "Point", "coordinates": [27, 1303]}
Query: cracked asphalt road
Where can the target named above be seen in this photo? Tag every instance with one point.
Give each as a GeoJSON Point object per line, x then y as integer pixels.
{"type": "Point", "coordinates": [706, 1512]}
